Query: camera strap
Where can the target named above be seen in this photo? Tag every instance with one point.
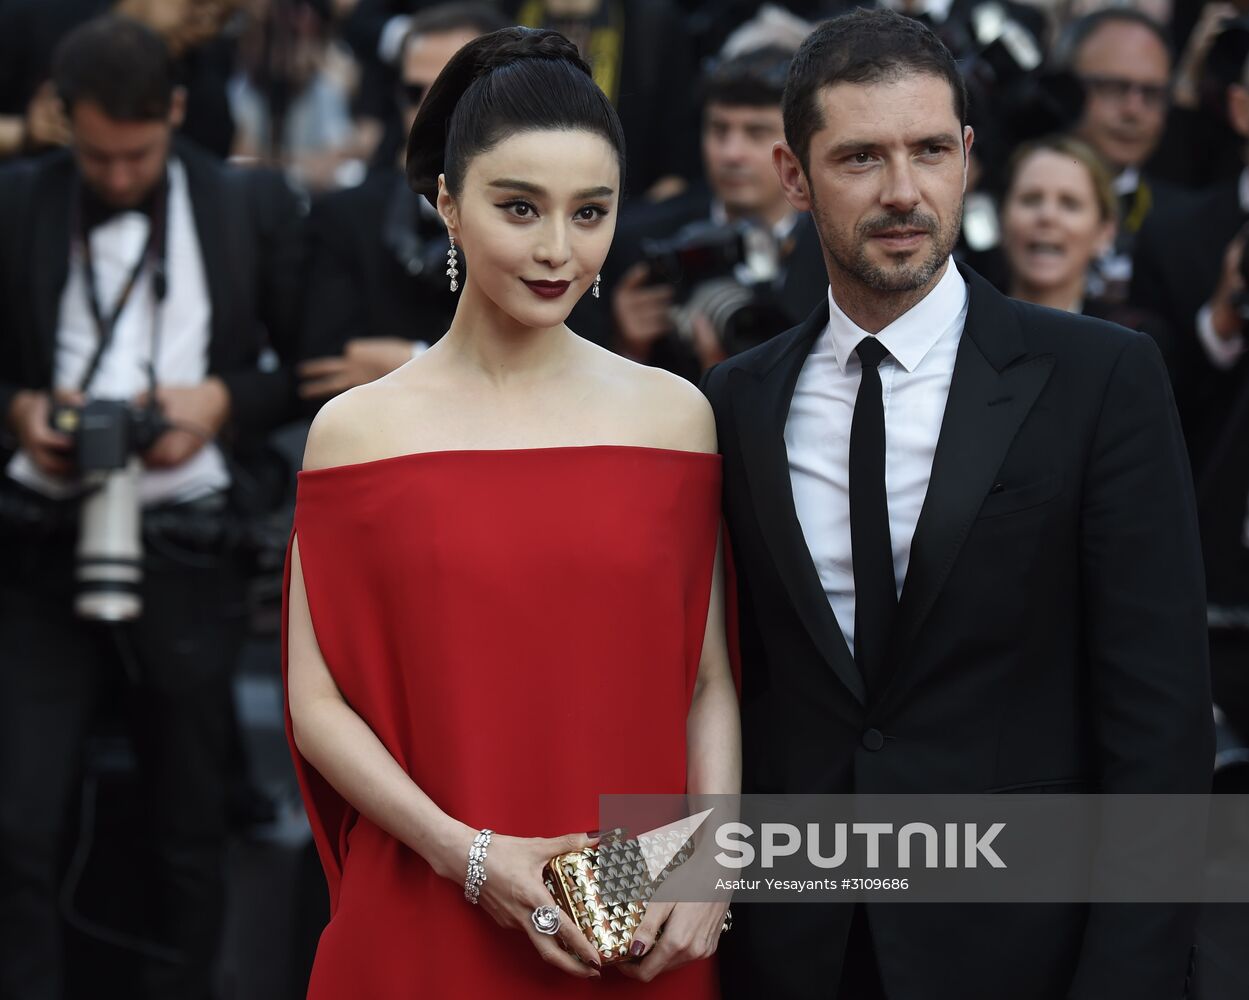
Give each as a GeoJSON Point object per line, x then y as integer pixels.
{"type": "Point", "coordinates": [151, 257]}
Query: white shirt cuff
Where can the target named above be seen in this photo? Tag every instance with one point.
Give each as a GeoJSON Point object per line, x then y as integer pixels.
{"type": "Point", "coordinates": [1222, 353]}
{"type": "Point", "coordinates": [391, 39]}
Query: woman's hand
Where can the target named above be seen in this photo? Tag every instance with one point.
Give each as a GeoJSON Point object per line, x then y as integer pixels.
{"type": "Point", "coordinates": [691, 932]}
{"type": "Point", "coordinates": [514, 889]}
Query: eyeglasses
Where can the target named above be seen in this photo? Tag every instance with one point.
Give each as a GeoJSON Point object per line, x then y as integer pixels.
{"type": "Point", "coordinates": [1116, 88]}
{"type": "Point", "coordinates": [410, 95]}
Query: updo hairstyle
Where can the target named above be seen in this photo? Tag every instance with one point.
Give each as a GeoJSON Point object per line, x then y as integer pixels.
{"type": "Point", "coordinates": [509, 81]}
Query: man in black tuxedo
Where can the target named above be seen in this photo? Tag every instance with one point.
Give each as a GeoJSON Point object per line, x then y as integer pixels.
{"type": "Point", "coordinates": [1187, 271]}
{"type": "Point", "coordinates": [174, 273]}
{"type": "Point", "coordinates": [966, 550]}
{"type": "Point", "coordinates": [1122, 59]}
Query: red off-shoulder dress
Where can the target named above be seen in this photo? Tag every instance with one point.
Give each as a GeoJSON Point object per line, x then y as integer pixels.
{"type": "Point", "coordinates": [522, 631]}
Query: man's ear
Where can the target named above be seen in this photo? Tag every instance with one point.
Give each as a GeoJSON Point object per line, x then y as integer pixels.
{"type": "Point", "coordinates": [177, 107]}
{"type": "Point", "coordinates": [447, 207]}
{"type": "Point", "coordinates": [793, 180]}
{"type": "Point", "coordinates": [969, 140]}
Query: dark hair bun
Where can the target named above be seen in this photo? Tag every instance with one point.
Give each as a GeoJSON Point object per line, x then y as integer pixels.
{"type": "Point", "coordinates": [480, 58]}
{"type": "Point", "coordinates": [509, 45]}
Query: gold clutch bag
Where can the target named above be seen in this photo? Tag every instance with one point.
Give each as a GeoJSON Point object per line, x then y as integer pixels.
{"type": "Point", "coordinates": [606, 888]}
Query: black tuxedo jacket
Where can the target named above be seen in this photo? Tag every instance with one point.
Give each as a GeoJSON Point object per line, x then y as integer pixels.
{"type": "Point", "coordinates": [247, 222]}
{"type": "Point", "coordinates": [1050, 635]}
{"type": "Point", "coordinates": [1176, 267]}
{"type": "Point", "coordinates": [356, 284]}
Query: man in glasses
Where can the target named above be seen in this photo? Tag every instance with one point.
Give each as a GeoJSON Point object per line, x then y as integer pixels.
{"type": "Point", "coordinates": [376, 292]}
{"type": "Point", "coordinates": [1123, 59]}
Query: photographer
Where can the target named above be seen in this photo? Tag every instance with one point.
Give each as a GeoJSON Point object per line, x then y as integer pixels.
{"type": "Point", "coordinates": [1189, 270]}
{"type": "Point", "coordinates": [666, 264]}
{"type": "Point", "coordinates": [376, 291]}
{"type": "Point", "coordinates": [139, 282]}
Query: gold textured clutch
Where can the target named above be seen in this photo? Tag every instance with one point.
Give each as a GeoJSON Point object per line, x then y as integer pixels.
{"type": "Point", "coordinates": [605, 888]}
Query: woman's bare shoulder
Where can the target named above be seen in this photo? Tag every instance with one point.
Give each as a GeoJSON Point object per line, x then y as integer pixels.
{"type": "Point", "coordinates": [668, 411]}
{"type": "Point", "coordinates": [359, 425]}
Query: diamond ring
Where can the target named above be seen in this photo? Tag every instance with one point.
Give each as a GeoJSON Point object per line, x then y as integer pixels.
{"type": "Point", "coordinates": [545, 920]}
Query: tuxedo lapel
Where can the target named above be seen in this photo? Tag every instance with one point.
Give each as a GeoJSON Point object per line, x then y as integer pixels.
{"type": "Point", "coordinates": [760, 397]}
{"type": "Point", "coordinates": [210, 211]}
{"type": "Point", "coordinates": [50, 245]}
{"type": "Point", "coordinates": [995, 385]}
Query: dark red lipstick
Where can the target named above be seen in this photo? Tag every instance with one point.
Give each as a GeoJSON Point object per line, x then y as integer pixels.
{"type": "Point", "coordinates": [548, 289]}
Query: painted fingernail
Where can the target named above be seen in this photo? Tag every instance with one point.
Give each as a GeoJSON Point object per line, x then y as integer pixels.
{"type": "Point", "coordinates": [593, 833]}
{"type": "Point", "coordinates": [637, 949]}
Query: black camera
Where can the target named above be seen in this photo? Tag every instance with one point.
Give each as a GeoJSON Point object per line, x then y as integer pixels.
{"type": "Point", "coordinates": [109, 435]}
{"type": "Point", "coordinates": [727, 273]}
{"type": "Point", "coordinates": [107, 432]}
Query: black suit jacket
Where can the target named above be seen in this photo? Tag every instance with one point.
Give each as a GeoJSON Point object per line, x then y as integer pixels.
{"type": "Point", "coordinates": [248, 228]}
{"type": "Point", "coordinates": [356, 284]}
{"type": "Point", "coordinates": [1050, 635]}
{"type": "Point", "coordinates": [1176, 267]}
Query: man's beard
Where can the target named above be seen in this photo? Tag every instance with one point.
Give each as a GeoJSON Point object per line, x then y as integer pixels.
{"type": "Point", "coordinates": [901, 274]}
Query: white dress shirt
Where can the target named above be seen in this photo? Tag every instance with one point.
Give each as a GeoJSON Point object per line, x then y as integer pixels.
{"type": "Point", "coordinates": [182, 354]}
{"type": "Point", "coordinates": [915, 381]}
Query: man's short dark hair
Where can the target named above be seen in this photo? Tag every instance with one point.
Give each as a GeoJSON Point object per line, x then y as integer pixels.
{"type": "Point", "coordinates": [862, 46]}
{"type": "Point", "coordinates": [1079, 31]}
{"type": "Point", "coordinates": [119, 64]}
{"type": "Point", "coordinates": [753, 79]}
{"type": "Point", "coordinates": [444, 18]}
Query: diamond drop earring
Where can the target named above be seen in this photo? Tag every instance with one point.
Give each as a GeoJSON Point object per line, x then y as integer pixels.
{"type": "Point", "coordinates": [598, 280]}
{"type": "Point", "coordinates": [453, 272]}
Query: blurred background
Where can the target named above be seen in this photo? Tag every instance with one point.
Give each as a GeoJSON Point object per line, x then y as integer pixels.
{"type": "Point", "coordinates": [226, 252]}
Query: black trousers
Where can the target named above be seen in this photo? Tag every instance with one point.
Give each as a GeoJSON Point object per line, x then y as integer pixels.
{"type": "Point", "coordinates": [791, 951]}
{"type": "Point", "coordinates": [175, 664]}
{"type": "Point", "coordinates": [860, 973]}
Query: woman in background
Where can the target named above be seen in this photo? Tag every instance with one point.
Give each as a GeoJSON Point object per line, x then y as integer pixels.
{"type": "Point", "coordinates": [1059, 215]}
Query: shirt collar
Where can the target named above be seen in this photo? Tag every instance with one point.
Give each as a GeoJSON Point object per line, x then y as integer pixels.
{"type": "Point", "coordinates": [1127, 182]}
{"type": "Point", "coordinates": [781, 230]}
{"type": "Point", "coordinates": [912, 335]}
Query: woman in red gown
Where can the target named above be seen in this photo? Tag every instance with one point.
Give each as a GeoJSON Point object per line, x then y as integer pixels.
{"type": "Point", "coordinates": [504, 592]}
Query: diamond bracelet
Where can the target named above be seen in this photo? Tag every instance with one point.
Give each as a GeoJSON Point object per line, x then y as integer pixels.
{"type": "Point", "coordinates": [477, 866]}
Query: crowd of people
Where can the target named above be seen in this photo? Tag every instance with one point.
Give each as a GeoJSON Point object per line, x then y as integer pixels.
{"type": "Point", "coordinates": [206, 222]}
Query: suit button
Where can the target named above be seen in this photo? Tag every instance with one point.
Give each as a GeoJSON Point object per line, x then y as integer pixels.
{"type": "Point", "coordinates": [873, 739]}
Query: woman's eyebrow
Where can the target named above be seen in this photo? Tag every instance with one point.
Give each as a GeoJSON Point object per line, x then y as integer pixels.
{"type": "Point", "coordinates": [511, 184]}
{"type": "Point", "coordinates": [515, 185]}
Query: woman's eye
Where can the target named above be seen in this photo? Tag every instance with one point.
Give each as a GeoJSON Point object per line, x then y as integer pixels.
{"type": "Point", "coordinates": [590, 213]}
{"type": "Point", "coordinates": [520, 209]}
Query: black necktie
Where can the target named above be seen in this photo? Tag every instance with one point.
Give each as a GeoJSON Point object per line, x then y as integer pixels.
{"type": "Point", "coordinates": [875, 591]}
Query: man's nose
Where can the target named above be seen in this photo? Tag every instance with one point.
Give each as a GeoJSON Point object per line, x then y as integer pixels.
{"type": "Point", "coordinates": [117, 177]}
{"type": "Point", "coordinates": [900, 191]}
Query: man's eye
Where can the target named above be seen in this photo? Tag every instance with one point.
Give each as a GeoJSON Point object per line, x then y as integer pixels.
{"type": "Point", "coordinates": [861, 158]}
